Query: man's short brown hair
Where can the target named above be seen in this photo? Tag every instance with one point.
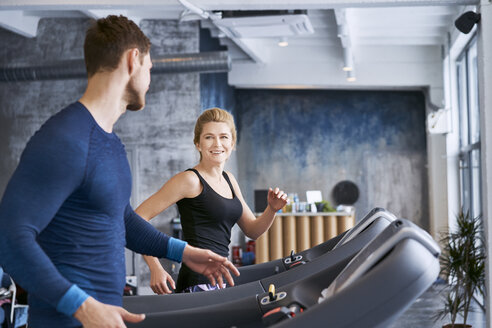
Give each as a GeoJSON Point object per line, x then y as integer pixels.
{"type": "Point", "coordinates": [107, 39]}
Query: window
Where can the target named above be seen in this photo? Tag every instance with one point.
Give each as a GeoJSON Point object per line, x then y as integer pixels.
{"type": "Point", "coordinates": [469, 116]}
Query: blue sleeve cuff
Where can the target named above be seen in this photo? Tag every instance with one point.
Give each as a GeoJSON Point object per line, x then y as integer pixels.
{"type": "Point", "coordinates": [71, 300]}
{"type": "Point", "coordinates": [175, 249]}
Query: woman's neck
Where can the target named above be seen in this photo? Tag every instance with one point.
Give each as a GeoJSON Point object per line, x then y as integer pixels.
{"type": "Point", "coordinates": [213, 171]}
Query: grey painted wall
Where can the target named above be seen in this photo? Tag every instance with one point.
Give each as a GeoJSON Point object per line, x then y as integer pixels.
{"type": "Point", "coordinates": [311, 140]}
{"type": "Point", "coordinates": [159, 139]}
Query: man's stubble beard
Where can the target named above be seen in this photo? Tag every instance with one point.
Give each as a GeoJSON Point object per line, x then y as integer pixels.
{"type": "Point", "coordinates": [134, 100]}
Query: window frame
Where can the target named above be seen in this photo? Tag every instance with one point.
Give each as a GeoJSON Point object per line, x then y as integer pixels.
{"type": "Point", "coordinates": [469, 129]}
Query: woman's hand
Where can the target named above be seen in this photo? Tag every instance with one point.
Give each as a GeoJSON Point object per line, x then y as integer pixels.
{"type": "Point", "coordinates": [159, 280]}
{"type": "Point", "coordinates": [209, 264]}
{"type": "Point", "coordinates": [276, 199]}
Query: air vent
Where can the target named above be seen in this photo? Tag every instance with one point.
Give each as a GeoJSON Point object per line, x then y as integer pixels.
{"type": "Point", "coordinates": [266, 26]}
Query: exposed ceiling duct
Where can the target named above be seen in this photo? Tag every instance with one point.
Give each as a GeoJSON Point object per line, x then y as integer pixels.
{"type": "Point", "coordinates": [205, 62]}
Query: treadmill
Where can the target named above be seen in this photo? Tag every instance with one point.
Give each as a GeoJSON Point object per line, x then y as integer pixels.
{"type": "Point", "coordinates": [333, 261]}
{"type": "Point", "coordinates": [372, 290]}
{"type": "Point", "coordinates": [262, 270]}
{"type": "Point", "coordinates": [379, 284]}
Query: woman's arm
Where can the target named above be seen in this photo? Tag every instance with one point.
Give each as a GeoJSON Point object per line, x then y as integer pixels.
{"type": "Point", "coordinates": [182, 185]}
{"type": "Point", "coordinates": [254, 227]}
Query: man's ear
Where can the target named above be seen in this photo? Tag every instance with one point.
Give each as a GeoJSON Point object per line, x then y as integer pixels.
{"type": "Point", "coordinates": [132, 59]}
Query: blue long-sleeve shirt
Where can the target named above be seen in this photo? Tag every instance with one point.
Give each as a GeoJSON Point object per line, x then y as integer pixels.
{"type": "Point", "coordinates": [65, 219]}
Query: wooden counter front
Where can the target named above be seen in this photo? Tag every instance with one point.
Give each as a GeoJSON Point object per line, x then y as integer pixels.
{"type": "Point", "coordinates": [300, 231]}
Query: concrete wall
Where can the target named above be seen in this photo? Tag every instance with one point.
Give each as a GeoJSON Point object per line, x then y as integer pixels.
{"type": "Point", "coordinates": [24, 106]}
{"type": "Point", "coordinates": [304, 140]}
{"type": "Point", "coordinates": [159, 140]}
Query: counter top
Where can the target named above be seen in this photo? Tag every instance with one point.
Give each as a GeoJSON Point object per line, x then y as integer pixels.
{"type": "Point", "coordinates": [312, 214]}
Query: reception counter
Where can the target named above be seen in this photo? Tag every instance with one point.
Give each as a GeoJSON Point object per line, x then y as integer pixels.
{"type": "Point", "coordinates": [300, 231]}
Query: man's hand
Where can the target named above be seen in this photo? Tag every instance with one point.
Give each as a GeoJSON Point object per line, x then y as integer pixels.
{"type": "Point", "coordinates": [209, 264]}
{"type": "Point", "coordinates": [93, 313]}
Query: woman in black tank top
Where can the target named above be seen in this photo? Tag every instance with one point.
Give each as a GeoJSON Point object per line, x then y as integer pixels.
{"type": "Point", "coordinates": [209, 201]}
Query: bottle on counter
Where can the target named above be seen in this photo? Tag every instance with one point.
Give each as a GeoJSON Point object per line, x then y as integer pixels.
{"type": "Point", "coordinates": [249, 255]}
{"type": "Point", "coordinates": [288, 208]}
{"type": "Point", "coordinates": [295, 205]}
{"type": "Point", "coordinates": [236, 256]}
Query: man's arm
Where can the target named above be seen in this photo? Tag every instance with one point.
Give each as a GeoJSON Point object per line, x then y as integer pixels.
{"type": "Point", "coordinates": [50, 169]}
{"type": "Point", "coordinates": [143, 238]}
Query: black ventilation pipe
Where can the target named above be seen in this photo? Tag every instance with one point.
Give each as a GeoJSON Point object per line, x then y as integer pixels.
{"type": "Point", "coordinates": [204, 62]}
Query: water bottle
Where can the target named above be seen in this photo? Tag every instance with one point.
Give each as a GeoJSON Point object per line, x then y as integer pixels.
{"type": "Point", "coordinates": [295, 205]}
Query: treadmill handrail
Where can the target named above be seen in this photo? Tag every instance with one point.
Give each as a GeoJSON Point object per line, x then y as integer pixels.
{"type": "Point", "coordinates": [365, 222]}
{"type": "Point", "coordinates": [368, 257]}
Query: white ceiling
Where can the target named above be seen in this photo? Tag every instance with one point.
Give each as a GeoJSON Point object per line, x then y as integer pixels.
{"type": "Point", "coordinates": [393, 44]}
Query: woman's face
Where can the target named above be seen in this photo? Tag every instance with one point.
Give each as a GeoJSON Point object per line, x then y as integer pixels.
{"type": "Point", "coordinates": [216, 142]}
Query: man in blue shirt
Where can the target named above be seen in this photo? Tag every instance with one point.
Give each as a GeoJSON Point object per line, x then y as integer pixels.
{"type": "Point", "coordinates": [65, 214]}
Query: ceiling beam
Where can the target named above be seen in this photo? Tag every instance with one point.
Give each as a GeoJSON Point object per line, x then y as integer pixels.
{"type": "Point", "coordinates": [402, 41]}
{"type": "Point", "coordinates": [221, 4]}
{"type": "Point", "coordinates": [326, 75]}
{"type": "Point", "coordinates": [101, 13]}
{"type": "Point", "coordinates": [17, 22]}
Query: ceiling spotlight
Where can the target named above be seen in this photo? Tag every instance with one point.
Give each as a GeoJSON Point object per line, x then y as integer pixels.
{"type": "Point", "coordinates": [282, 42]}
{"type": "Point", "coordinates": [351, 76]}
{"type": "Point", "coordinates": [465, 22]}
{"type": "Point", "coordinates": [348, 59]}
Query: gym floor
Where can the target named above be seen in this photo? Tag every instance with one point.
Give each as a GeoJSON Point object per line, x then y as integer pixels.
{"type": "Point", "coordinates": [421, 313]}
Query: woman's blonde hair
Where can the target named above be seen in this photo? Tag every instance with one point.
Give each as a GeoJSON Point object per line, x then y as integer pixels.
{"type": "Point", "coordinates": [214, 115]}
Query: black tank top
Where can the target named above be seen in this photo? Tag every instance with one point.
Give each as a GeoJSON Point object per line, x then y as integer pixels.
{"type": "Point", "coordinates": [207, 221]}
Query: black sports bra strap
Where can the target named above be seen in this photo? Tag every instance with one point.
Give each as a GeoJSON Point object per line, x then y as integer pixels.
{"type": "Point", "coordinates": [229, 183]}
{"type": "Point", "coordinates": [198, 174]}
{"type": "Point", "coordinates": [204, 182]}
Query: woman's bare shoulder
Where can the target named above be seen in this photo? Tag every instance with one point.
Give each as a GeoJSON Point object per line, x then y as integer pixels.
{"type": "Point", "coordinates": [189, 182]}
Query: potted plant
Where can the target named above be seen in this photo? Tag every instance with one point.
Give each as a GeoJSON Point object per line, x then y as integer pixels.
{"type": "Point", "coordinates": [324, 206]}
{"type": "Point", "coordinates": [463, 267]}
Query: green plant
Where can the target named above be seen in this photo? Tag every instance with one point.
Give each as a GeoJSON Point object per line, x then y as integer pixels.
{"type": "Point", "coordinates": [463, 266]}
{"type": "Point", "coordinates": [324, 206]}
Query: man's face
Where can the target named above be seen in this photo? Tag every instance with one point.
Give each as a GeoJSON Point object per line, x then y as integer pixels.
{"type": "Point", "coordinates": [138, 85]}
